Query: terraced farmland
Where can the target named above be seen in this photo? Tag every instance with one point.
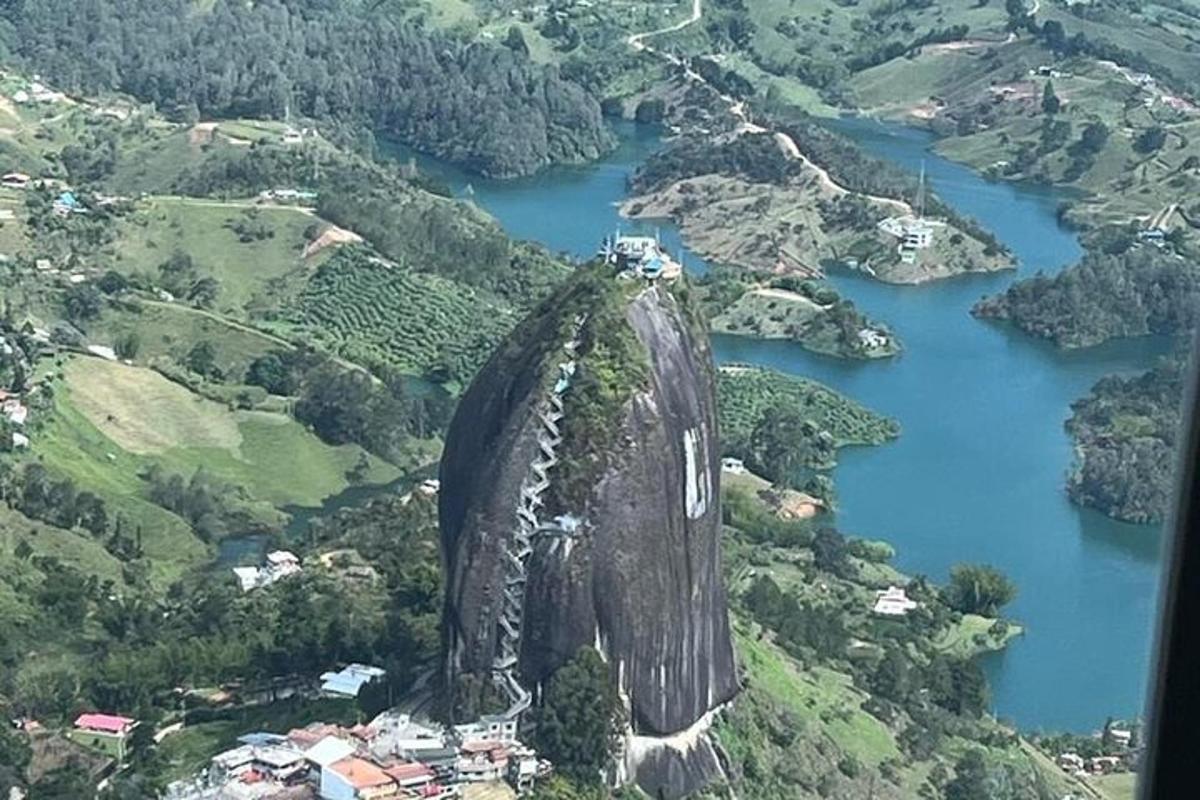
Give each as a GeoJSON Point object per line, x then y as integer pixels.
{"type": "Point", "coordinates": [745, 393]}
{"type": "Point", "coordinates": [386, 316]}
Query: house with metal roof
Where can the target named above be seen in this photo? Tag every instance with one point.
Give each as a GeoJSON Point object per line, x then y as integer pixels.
{"type": "Point", "coordinates": [350, 680]}
{"type": "Point", "coordinates": [108, 733]}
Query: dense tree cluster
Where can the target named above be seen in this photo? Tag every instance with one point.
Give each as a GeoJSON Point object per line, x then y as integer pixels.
{"type": "Point", "coordinates": [579, 721]}
{"type": "Point", "coordinates": [753, 156]}
{"type": "Point", "coordinates": [1107, 295]}
{"type": "Point", "coordinates": [1126, 433]}
{"type": "Point", "coordinates": [486, 107]}
{"type": "Point", "coordinates": [978, 589]}
{"type": "Point", "coordinates": [37, 494]}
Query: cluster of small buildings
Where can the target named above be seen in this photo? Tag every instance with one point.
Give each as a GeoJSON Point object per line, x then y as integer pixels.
{"type": "Point", "coordinates": [37, 93]}
{"type": "Point", "coordinates": [1119, 755]}
{"type": "Point", "coordinates": [914, 232]}
{"type": "Point", "coordinates": [640, 256]}
{"type": "Point", "coordinates": [279, 564]}
{"type": "Point", "coordinates": [287, 196]}
{"type": "Point", "coordinates": [871, 339]}
{"type": "Point", "coordinates": [13, 409]}
{"type": "Point", "coordinates": [893, 602]}
{"type": "Point", "coordinates": [67, 204]}
{"type": "Point", "coordinates": [394, 756]}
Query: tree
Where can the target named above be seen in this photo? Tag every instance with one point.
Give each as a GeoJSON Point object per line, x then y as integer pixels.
{"type": "Point", "coordinates": [650, 111]}
{"type": "Point", "coordinates": [1055, 35]}
{"type": "Point", "coordinates": [203, 293]}
{"type": "Point", "coordinates": [273, 371]}
{"type": "Point", "coordinates": [829, 552]}
{"type": "Point", "coordinates": [970, 778]}
{"type": "Point", "coordinates": [69, 780]}
{"type": "Point", "coordinates": [112, 282]}
{"type": "Point", "coordinates": [579, 722]}
{"type": "Point", "coordinates": [177, 273]}
{"type": "Point", "coordinates": [83, 302]}
{"type": "Point", "coordinates": [202, 360]}
{"type": "Point", "coordinates": [1050, 102]}
{"type": "Point", "coordinates": [1151, 140]}
{"type": "Point", "coordinates": [14, 756]}
{"type": "Point", "coordinates": [978, 589]}
{"type": "Point", "coordinates": [127, 345]}
{"type": "Point", "coordinates": [781, 442]}
{"type": "Point", "coordinates": [515, 40]}
{"type": "Point", "coordinates": [1094, 137]}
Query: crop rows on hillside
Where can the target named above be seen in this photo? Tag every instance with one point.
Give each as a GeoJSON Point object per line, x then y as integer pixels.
{"type": "Point", "coordinates": [745, 393]}
{"type": "Point", "coordinates": [384, 316]}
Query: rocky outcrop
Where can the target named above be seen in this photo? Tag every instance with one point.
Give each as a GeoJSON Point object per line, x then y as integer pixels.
{"type": "Point", "coordinates": [628, 559]}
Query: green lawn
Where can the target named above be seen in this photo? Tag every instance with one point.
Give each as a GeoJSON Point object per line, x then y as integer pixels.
{"type": "Point", "coordinates": [822, 695]}
{"type": "Point", "coordinates": [208, 231]}
{"type": "Point", "coordinates": [972, 636]}
{"type": "Point", "coordinates": [1122, 786]}
{"type": "Point", "coordinates": [112, 422]}
{"type": "Point", "coordinates": [167, 331]}
{"type": "Point", "coordinates": [271, 455]}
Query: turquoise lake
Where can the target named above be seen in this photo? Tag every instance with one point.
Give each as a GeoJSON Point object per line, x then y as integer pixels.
{"type": "Point", "coordinates": [978, 473]}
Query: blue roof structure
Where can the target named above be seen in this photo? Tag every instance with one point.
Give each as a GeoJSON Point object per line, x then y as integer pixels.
{"type": "Point", "coordinates": [349, 682]}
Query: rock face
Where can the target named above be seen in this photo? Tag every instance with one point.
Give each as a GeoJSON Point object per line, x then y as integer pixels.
{"type": "Point", "coordinates": [629, 561]}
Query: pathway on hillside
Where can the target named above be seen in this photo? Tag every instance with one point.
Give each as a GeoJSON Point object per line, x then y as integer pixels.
{"type": "Point", "coordinates": [737, 108]}
{"type": "Point", "coordinates": [637, 40]}
{"type": "Point", "coordinates": [271, 337]}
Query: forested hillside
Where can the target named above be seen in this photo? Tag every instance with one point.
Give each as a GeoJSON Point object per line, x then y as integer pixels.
{"type": "Point", "coordinates": [486, 107]}
{"type": "Point", "coordinates": [1142, 290]}
{"type": "Point", "coordinates": [1126, 431]}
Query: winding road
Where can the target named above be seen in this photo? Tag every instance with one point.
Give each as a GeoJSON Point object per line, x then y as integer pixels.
{"type": "Point", "coordinates": [737, 108]}
{"type": "Point", "coordinates": [637, 40]}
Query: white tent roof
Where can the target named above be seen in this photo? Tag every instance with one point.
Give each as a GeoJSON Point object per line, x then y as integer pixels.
{"type": "Point", "coordinates": [329, 750]}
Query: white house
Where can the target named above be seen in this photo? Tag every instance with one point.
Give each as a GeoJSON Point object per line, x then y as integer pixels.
{"type": "Point", "coordinates": [1070, 762]}
{"type": "Point", "coordinates": [283, 562]}
{"type": "Point", "coordinates": [734, 466]}
{"type": "Point", "coordinates": [872, 339]}
{"type": "Point", "coordinates": [893, 602]}
{"type": "Point", "coordinates": [107, 353]}
{"type": "Point", "coordinates": [247, 577]}
{"type": "Point", "coordinates": [400, 735]}
{"type": "Point", "coordinates": [14, 411]}
{"type": "Point", "coordinates": [15, 180]}
{"type": "Point", "coordinates": [488, 728]}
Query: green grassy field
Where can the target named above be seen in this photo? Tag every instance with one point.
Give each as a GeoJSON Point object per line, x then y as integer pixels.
{"type": "Point", "coordinates": [166, 331]}
{"type": "Point", "coordinates": [146, 415]}
{"type": "Point", "coordinates": [818, 698]}
{"type": "Point", "coordinates": [972, 635]}
{"type": "Point", "coordinates": [1122, 786]}
{"type": "Point", "coordinates": [112, 422]}
{"type": "Point", "coordinates": [248, 269]}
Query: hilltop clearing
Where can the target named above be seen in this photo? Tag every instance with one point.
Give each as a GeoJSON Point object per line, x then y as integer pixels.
{"type": "Point", "coordinates": [746, 201]}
